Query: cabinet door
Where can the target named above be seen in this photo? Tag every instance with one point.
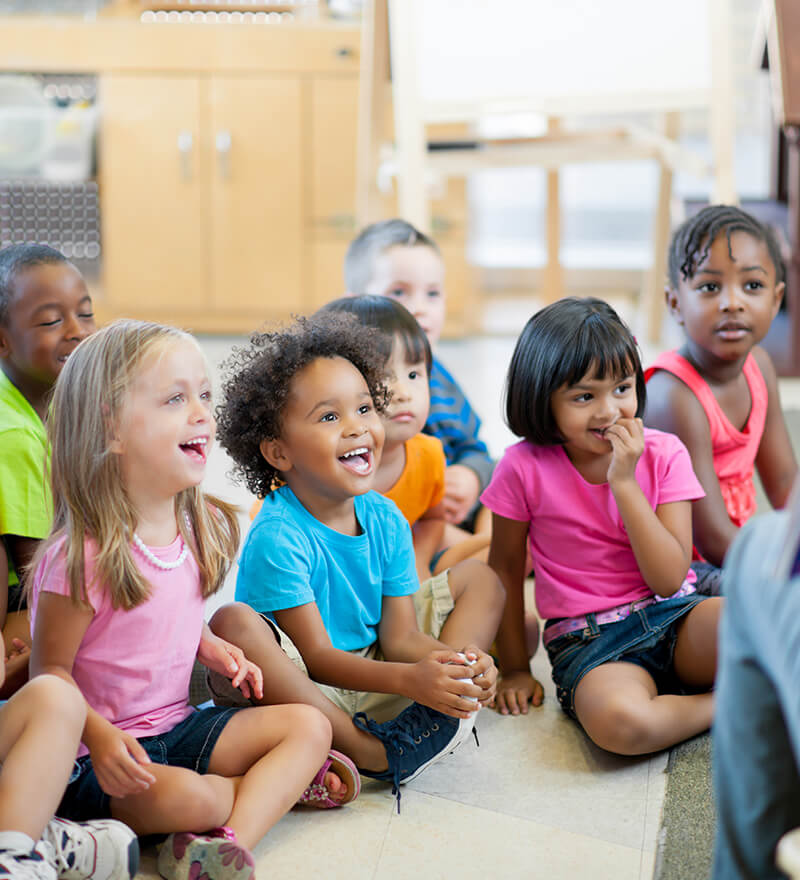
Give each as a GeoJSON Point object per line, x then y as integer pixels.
{"type": "Point", "coordinates": [256, 194]}
{"type": "Point", "coordinates": [152, 171]}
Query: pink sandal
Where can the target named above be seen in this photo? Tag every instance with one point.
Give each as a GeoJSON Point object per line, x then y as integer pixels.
{"type": "Point", "coordinates": [317, 794]}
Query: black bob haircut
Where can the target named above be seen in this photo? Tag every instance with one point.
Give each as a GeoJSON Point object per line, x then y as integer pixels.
{"type": "Point", "coordinates": [257, 381]}
{"type": "Point", "coordinates": [17, 258]}
{"type": "Point", "coordinates": [392, 319]}
{"type": "Point", "coordinates": [558, 346]}
{"type": "Point", "coordinates": [692, 240]}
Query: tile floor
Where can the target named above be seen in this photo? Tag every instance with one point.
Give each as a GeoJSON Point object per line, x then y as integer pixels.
{"type": "Point", "coordinates": [536, 799]}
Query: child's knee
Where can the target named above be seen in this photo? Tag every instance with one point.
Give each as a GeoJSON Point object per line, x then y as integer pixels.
{"type": "Point", "coordinates": [478, 577]}
{"type": "Point", "coordinates": [231, 621]}
{"type": "Point", "coordinates": [57, 700]}
{"type": "Point", "coordinates": [315, 727]}
{"type": "Point", "coordinates": [623, 728]}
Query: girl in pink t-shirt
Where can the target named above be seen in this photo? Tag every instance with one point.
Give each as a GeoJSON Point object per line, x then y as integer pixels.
{"type": "Point", "coordinates": [718, 392]}
{"type": "Point", "coordinates": [605, 508]}
{"type": "Point", "coordinates": [118, 592]}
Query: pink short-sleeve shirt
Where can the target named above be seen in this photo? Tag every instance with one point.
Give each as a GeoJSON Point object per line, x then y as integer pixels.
{"type": "Point", "coordinates": [133, 667]}
{"type": "Point", "coordinates": [582, 557]}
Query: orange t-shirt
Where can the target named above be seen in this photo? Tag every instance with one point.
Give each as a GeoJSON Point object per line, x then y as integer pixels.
{"type": "Point", "coordinates": [421, 485]}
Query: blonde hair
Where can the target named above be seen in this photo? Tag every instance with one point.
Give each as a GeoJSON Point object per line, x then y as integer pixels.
{"type": "Point", "coordinates": [89, 495]}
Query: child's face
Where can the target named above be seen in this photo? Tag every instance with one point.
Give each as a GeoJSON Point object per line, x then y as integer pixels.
{"type": "Point", "coordinates": [331, 436]}
{"type": "Point", "coordinates": [165, 429]}
{"type": "Point", "coordinates": [49, 314]}
{"type": "Point", "coordinates": [408, 407]}
{"type": "Point", "coordinates": [727, 306]}
{"type": "Point", "coordinates": [583, 411]}
{"type": "Point", "coordinates": [414, 276]}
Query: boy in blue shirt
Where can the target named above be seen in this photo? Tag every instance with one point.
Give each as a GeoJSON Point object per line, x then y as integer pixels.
{"type": "Point", "coordinates": [329, 603]}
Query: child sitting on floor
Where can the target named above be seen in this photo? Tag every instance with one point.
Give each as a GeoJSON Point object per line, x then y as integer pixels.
{"type": "Point", "coordinates": [605, 506]}
{"type": "Point", "coordinates": [719, 392]}
{"type": "Point", "coordinates": [327, 574]}
{"type": "Point", "coordinates": [45, 311]}
{"type": "Point", "coordinates": [34, 769]}
{"type": "Point", "coordinates": [412, 467]}
{"type": "Point", "coordinates": [392, 258]}
{"type": "Point", "coordinates": [118, 599]}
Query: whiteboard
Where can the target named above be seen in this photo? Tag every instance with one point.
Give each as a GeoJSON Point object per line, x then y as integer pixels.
{"type": "Point", "coordinates": [582, 55]}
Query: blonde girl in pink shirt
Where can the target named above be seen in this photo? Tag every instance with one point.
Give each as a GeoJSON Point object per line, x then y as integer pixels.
{"type": "Point", "coordinates": [605, 508]}
{"type": "Point", "coordinates": [118, 592]}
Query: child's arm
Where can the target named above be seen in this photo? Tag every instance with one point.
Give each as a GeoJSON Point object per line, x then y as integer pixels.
{"type": "Point", "coordinates": [775, 461]}
{"type": "Point", "coordinates": [429, 680]}
{"type": "Point", "coordinates": [507, 556]}
{"type": "Point", "coordinates": [428, 533]}
{"type": "Point", "coordinates": [661, 539]}
{"type": "Point", "coordinates": [672, 407]}
{"type": "Point", "coordinates": [229, 660]}
{"type": "Point", "coordinates": [117, 757]}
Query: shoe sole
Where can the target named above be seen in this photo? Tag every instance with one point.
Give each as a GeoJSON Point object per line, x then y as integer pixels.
{"type": "Point", "coordinates": [465, 726]}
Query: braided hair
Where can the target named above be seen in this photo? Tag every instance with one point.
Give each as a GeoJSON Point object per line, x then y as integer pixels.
{"type": "Point", "coordinates": [692, 240]}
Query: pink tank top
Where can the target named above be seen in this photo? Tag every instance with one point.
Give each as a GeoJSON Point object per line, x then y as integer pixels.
{"type": "Point", "coordinates": [734, 451]}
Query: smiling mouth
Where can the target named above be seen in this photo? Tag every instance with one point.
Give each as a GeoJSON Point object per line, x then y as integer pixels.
{"type": "Point", "coordinates": [732, 330]}
{"type": "Point", "coordinates": [196, 449]}
{"type": "Point", "coordinates": [359, 461]}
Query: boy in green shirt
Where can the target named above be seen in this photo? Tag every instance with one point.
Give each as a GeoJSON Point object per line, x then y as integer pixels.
{"type": "Point", "coordinates": [45, 311]}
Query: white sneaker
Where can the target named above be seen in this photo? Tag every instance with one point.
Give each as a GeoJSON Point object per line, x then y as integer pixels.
{"type": "Point", "coordinates": [25, 866]}
{"type": "Point", "coordinates": [100, 850]}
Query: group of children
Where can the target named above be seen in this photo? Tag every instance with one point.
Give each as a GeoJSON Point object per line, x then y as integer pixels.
{"type": "Point", "coordinates": [383, 573]}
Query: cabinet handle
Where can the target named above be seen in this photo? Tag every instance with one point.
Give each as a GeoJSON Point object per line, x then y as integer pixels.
{"type": "Point", "coordinates": [185, 143]}
{"type": "Point", "coordinates": [223, 143]}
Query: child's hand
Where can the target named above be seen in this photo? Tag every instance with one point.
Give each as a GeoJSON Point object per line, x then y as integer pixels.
{"type": "Point", "coordinates": [627, 443]}
{"type": "Point", "coordinates": [118, 759]}
{"type": "Point", "coordinates": [515, 690]}
{"type": "Point", "coordinates": [483, 672]}
{"type": "Point", "coordinates": [229, 660]}
{"type": "Point", "coordinates": [461, 490]}
{"type": "Point", "coordinates": [434, 681]}
{"type": "Point", "coordinates": [18, 649]}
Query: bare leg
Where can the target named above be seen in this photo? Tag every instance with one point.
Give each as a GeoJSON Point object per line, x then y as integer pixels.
{"type": "Point", "coordinates": [479, 600]}
{"type": "Point", "coordinates": [285, 683]}
{"type": "Point", "coordinates": [620, 709]}
{"type": "Point", "coordinates": [179, 800]}
{"type": "Point", "coordinates": [461, 546]}
{"type": "Point", "coordinates": [276, 750]}
{"type": "Point", "coordinates": [40, 728]}
{"type": "Point", "coordinates": [695, 658]}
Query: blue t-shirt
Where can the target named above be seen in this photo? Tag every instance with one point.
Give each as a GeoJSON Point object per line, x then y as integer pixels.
{"type": "Point", "coordinates": [289, 558]}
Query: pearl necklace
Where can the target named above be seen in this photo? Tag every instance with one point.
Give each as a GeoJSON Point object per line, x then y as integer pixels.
{"type": "Point", "coordinates": [154, 560]}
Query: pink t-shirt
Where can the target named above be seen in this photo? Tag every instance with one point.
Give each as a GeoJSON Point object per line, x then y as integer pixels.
{"type": "Point", "coordinates": [581, 553]}
{"type": "Point", "coordinates": [134, 666]}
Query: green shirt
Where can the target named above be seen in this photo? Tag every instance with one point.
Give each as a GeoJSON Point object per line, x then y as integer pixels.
{"type": "Point", "coordinates": [25, 504]}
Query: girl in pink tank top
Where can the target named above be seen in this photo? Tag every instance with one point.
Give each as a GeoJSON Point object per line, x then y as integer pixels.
{"type": "Point", "coordinates": [719, 391]}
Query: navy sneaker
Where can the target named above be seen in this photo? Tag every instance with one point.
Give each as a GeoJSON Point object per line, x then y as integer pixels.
{"type": "Point", "coordinates": [414, 740]}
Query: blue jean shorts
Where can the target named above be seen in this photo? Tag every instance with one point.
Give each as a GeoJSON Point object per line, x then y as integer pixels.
{"type": "Point", "coordinates": [646, 638]}
{"type": "Point", "coordinates": [189, 744]}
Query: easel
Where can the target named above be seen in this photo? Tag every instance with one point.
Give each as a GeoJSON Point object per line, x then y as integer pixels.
{"type": "Point", "coordinates": [415, 158]}
{"type": "Point", "coordinates": [783, 45]}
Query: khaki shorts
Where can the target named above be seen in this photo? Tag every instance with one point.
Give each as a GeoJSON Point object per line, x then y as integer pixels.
{"type": "Point", "coordinates": [433, 603]}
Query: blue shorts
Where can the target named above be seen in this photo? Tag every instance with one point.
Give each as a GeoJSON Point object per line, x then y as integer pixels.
{"type": "Point", "coordinates": [646, 638]}
{"type": "Point", "coordinates": [189, 744]}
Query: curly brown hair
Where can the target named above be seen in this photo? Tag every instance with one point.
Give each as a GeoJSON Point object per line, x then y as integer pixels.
{"type": "Point", "coordinates": [257, 381]}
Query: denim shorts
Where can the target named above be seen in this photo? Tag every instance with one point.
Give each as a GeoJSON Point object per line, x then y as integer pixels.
{"type": "Point", "coordinates": [646, 638]}
{"type": "Point", "coordinates": [189, 744]}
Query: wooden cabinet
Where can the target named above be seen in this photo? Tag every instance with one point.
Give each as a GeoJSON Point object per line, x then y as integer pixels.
{"type": "Point", "coordinates": [202, 198]}
{"type": "Point", "coordinates": [227, 159]}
